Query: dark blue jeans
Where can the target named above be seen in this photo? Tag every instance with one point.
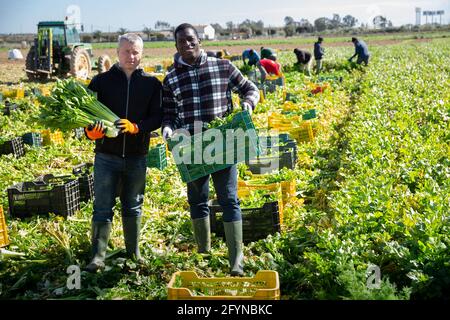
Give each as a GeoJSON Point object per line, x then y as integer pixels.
{"type": "Point", "coordinates": [225, 183]}
{"type": "Point", "coordinates": [363, 59]}
{"type": "Point", "coordinates": [113, 174]}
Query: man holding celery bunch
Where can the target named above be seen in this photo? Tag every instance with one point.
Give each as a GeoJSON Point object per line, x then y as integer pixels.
{"type": "Point", "coordinates": [120, 162]}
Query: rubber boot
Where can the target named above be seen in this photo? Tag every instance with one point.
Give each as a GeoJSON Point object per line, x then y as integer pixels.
{"type": "Point", "coordinates": [100, 238]}
{"type": "Point", "coordinates": [202, 234]}
{"type": "Point", "coordinates": [131, 233]}
{"type": "Point", "coordinates": [233, 236]}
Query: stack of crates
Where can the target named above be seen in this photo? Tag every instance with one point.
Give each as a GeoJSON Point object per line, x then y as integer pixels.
{"type": "Point", "coordinates": [52, 138]}
{"type": "Point", "coordinates": [85, 175]}
{"type": "Point", "coordinates": [245, 188]}
{"type": "Point", "coordinates": [14, 146]}
{"type": "Point", "coordinates": [33, 139]}
{"type": "Point", "coordinates": [286, 157]}
{"type": "Point", "coordinates": [157, 157]}
{"type": "Point", "coordinates": [4, 240]}
{"type": "Point", "coordinates": [243, 150]}
{"type": "Point", "coordinates": [187, 285]}
{"type": "Point", "coordinates": [286, 188]}
{"type": "Point", "coordinates": [299, 129]}
{"type": "Point", "coordinates": [257, 223]}
{"type": "Point", "coordinates": [267, 164]}
{"type": "Point", "coordinates": [58, 196]}
{"type": "Point", "coordinates": [272, 82]}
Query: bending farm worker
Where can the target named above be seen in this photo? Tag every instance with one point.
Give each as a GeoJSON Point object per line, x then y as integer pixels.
{"type": "Point", "coordinates": [268, 53]}
{"type": "Point", "coordinates": [361, 50]}
{"type": "Point", "coordinates": [304, 60]}
{"type": "Point", "coordinates": [269, 67]}
{"type": "Point", "coordinates": [252, 56]}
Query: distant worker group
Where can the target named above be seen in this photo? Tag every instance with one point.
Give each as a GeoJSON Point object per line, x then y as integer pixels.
{"type": "Point", "coordinates": [266, 60]}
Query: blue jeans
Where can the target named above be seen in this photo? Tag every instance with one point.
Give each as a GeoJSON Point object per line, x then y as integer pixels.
{"type": "Point", "coordinates": [113, 174]}
{"type": "Point", "coordinates": [362, 59]}
{"type": "Point", "coordinates": [225, 183]}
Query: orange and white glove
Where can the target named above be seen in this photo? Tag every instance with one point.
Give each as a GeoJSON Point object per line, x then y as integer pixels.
{"type": "Point", "coordinates": [95, 131]}
{"type": "Point", "coordinates": [125, 126]}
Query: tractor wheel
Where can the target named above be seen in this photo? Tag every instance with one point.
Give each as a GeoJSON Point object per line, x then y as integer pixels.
{"type": "Point", "coordinates": [80, 63]}
{"type": "Point", "coordinates": [104, 63]}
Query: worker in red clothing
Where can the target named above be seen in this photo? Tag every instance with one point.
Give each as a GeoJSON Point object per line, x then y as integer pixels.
{"type": "Point", "coordinates": [269, 67]}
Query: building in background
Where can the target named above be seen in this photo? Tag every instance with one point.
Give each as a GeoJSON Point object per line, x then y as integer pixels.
{"type": "Point", "coordinates": [205, 32]}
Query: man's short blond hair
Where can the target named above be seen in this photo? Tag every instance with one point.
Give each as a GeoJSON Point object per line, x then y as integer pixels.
{"type": "Point", "coordinates": [132, 38]}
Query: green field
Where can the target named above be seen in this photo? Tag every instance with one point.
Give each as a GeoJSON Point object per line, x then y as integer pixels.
{"type": "Point", "coordinates": [291, 41]}
{"type": "Point", "coordinates": [373, 188]}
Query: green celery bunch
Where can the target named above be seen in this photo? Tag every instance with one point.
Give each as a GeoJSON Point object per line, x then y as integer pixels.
{"type": "Point", "coordinates": [71, 105]}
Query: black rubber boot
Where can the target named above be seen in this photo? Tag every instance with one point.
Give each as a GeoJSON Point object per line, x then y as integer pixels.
{"type": "Point", "coordinates": [100, 238]}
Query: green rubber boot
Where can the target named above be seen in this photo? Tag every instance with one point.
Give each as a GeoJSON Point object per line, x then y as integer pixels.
{"type": "Point", "coordinates": [233, 236]}
{"type": "Point", "coordinates": [100, 238]}
{"type": "Point", "coordinates": [202, 234]}
{"type": "Point", "coordinates": [131, 233]}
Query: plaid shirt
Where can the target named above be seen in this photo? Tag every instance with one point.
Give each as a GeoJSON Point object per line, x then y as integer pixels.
{"type": "Point", "coordinates": [202, 92]}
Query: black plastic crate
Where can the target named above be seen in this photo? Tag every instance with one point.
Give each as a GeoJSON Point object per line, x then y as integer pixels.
{"type": "Point", "coordinates": [265, 164]}
{"type": "Point", "coordinates": [33, 139]}
{"type": "Point", "coordinates": [14, 146]}
{"type": "Point", "coordinates": [257, 223]}
{"type": "Point", "coordinates": [30, 198]}
{"type": "Point", "coordinates": [9, 107]}
{"type": "Point", "coordinates": [85, 180]}
{"type": "Point", "coordinates": [283, 142]}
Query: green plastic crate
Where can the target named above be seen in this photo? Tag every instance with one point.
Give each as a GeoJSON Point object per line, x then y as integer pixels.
{"type": "Point", "coordinates": [191, 172]}
{"type": "Point", "coordinates": [157, 158]}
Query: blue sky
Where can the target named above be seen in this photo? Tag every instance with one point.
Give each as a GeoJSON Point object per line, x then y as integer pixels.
{"type": "Point", "coordinates": [18, 16]}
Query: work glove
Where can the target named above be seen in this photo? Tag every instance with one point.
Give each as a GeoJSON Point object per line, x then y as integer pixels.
{"type": "Point", "coordinates": [166, 133]}
{"type": "Point", "coordinates": [125, 126]}
{"type": "Point", "coordinates": [95, 131]}
{"type": "Point", "coordinates": [248, 107]}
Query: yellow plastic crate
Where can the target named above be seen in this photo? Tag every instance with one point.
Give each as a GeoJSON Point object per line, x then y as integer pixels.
{"type": "Point", "coordinates": [52, 138]}
{"type": "Point", "coordinates": [244, 188]}
{"type": "Point", "coordinates": [299, 129]}
{"type": "Point", "coordinates": [45, 91]}
{"type": "Point", "coordinates": [167, 63]}
{"type": "Point", "coordinates": [158, 75]}
{"type": "Point", "coordinates": [4, 240]}
{"type": "Point", "coordinates": [274, 77]}
{"type": "Point", "coordinates": [288, 188]}
{"type": "Point", "coordinates": [17, 93]}
{"type": "Point", "coordinates": [261, 96]}
{"type": "Point", "coordinates": [303, 133]}
{"type": "Point", "coordinates": [84, 81]}
{"type": "Point", "coordinates": [149, 69]}
{"type": "Point", "coordinates": [187, 285]}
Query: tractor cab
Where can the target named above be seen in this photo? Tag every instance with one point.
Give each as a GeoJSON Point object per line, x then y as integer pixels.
{"type": "Point", "coordinates": [58, 51]}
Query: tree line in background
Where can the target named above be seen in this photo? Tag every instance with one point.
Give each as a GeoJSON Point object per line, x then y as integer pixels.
{"type": "Point", "coordinates": [249, 28]}
{"type": "Point", "coordinates": [246, 29]}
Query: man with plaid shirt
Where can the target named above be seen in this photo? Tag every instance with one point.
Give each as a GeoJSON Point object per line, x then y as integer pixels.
{"type": "Point", "coordinates": [198, 89]}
